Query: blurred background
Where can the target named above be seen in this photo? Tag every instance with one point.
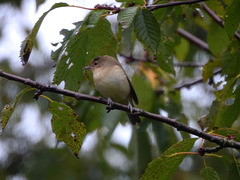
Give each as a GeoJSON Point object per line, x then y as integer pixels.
{"type": "Point", "coordinates": [112, 149]}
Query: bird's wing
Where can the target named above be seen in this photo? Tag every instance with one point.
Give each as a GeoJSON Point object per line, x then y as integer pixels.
{"type": "Point", "coordinates": [132, 92]}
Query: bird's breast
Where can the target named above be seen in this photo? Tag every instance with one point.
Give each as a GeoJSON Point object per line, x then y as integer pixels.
{"type": "Point", "coordinates": [112, 82]}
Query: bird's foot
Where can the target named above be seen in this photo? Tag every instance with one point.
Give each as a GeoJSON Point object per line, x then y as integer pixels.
{"type": "Point", "coordinates": [109, 104]}
{"type": "Point", "coordinates": [130, 107]}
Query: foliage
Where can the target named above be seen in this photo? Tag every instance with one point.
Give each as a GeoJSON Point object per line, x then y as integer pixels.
{"type": "Point", "coordinates": [66, 126]}
{"type": "Point", "coordinates": [209, 173]}
{"type": "Point", "coordinates": [147, 41]}
{"type": "Point", "coordinates": [165, 165]}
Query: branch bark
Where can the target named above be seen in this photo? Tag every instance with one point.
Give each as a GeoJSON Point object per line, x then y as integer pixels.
{"type": "Point", "coordinates": [115, 9]}
{"type": "Point", "coordinates": [212, 14]}
{"type": "Point", "coordinates": [172, 122]}
{"type": "Point", "coordinates": [171, 4]}
{"type": "Point", "coordinates": [200, 80]}
{"type": "Point", "coordinates": [193, 39]}
{"type": "Point", "coordinates": [130, 59]}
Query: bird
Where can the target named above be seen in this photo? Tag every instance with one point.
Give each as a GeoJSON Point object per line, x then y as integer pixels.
{"type": "Point", "coordinates": [112, 82]}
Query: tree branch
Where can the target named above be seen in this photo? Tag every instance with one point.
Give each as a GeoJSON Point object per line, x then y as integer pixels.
{"type": "Point", "coordinates": [172, 3]}
{"type": "Point", "coordinates": [115, 9]}
{"type": "Point", "coordinates": [172, 122]}
{"type": "Point", "coordinates": [189, 84]}
{"type": "Point", "coordinates": [212, 14]}
{"type": "Point", "coordinates": [203, 150]}
{"type": "Point", "coordinates": [194, 39]}
{"type": "Point", "coordinates": [130, 59]}
{"type": "Point", "coordinates": [188, 64]}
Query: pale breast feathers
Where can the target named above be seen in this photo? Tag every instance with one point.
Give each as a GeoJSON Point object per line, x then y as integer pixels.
{"type": "Point", "coordinates": [113, 83]}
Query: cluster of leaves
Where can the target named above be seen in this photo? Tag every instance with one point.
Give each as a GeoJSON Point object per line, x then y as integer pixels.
{"type": "Point", "coordinates": [155, 30]}
{"type": "Point", "coordinates": [225, 48]}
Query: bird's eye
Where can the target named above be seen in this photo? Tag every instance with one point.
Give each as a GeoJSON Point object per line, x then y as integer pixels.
{"type": "Point", "coordinates": [95, 63]}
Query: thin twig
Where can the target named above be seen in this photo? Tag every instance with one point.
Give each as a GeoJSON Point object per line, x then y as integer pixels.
{"type": "Point", "coordinates": [130, 59]}
{"type": "Point", "coordinates": [115, 9]}
{"type": "Point", "coordinates": [203, 150]}
{"type": "Point", "coordinates": [212, 14]}
{"type": "Point", "coordinates": [188, 64]}
{"type": "Point", "coordinates": [172, 3]}
{"type": "Point", "coordinates": [172, 122]}
{"type": "Point", "coordinates": [197, 81]}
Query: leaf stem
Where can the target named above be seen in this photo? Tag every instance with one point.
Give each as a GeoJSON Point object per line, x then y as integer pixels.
{"type": "Point", "coordinates": [46, 98]}
{"type": "Point", "coordinates": [193, 153]}
{"type": "Point", "coordinates": [235, 161]}
{"type": "Point", "coordinates": [82, 7]}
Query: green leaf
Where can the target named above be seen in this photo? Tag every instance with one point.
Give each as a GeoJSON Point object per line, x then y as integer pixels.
{"type": "Point", "coordinates": [9, 108]}
{"type": "Point", "coordinates": [225, 109]}
{"type": "Point", "coordinates": [93, 115]}
{"type": "Point", "coordinates": [126, 16]}
{"type": "Point", "coordinates": [163, 167]}
{"type": "Point", "coordinates": [141, 146]}
{"type": "Point", "coordinates": [27, 44]}
{"type": "Point", "coordinates": [217, 39]}
{"type": "Point", "coordinates": [209, 173]}
{"type": "Point", "coordinates": [182, 49]}
{"type": "Point", "coordinates": [232, 17]}
{"type": "Point", "coordinates": [92, 40]}
{"type": "Point", "coordinates": [230, 64]}
{"type": "Point", "coordinates": [147, 29]}
{"type": "Point", "coordinates": [208, 69]}
{"type": "Point", "coordinates": [92, 18]}
{"type": "Point", "coordinates": [66, 126]}
{"type": "Point", "coordinates": [128, 40]}
{"type": "Point", "coordinates": [68, 34]}
{"type": "Point", "coordinates": [164, 56]}
{"type": "Point", "coordinates": [141, 87]}
{"type": "Point", "coordinates": [228, 131]}
{"type": "Point", "coordinates": [136, 2]}
{"type": "Point", "coordinates": [39, 3]}
{"type": "Point", "coordinates": [234, 170]}
{"type": "Point", "coordinates": [217, 6]}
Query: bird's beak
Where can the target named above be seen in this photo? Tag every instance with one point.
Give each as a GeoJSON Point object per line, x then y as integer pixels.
{"type": "Point", "coordinates": [87, 67]}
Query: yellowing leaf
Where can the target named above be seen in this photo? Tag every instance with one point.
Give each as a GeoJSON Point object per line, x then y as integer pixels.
{"type": "Point", "coordinates": [9, 108]}
{"type": "Point", "coordinates": [27, 44]}
{"type": "Point", "coordinates": [66, 126]}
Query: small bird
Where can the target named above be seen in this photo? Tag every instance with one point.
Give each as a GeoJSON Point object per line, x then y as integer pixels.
{"type": "Point", "coordinates": [112, 82]}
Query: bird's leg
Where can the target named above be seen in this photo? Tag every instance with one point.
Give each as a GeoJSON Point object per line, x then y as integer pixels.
{"type": "Point", "coordinates": [130, 107]}
{"type": "Point", "coordinates": [109, 104]}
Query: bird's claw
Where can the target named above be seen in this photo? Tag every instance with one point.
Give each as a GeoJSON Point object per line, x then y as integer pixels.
{"type": "Point", "coordinates": [109, 104]}
{"type": "Point", "coordinates": [130, 107]}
